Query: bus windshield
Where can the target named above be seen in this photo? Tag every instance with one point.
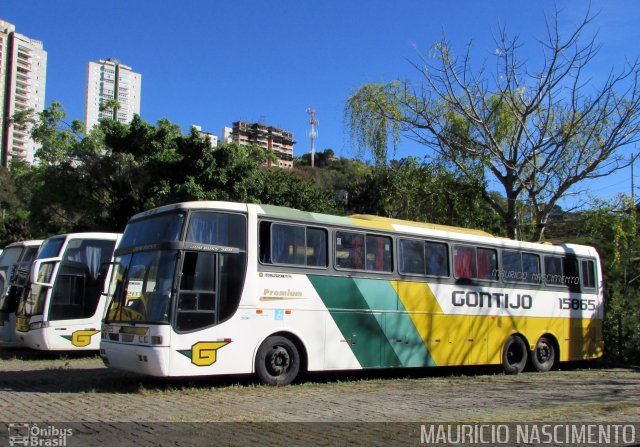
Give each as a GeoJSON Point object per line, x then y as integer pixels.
{"type": "Point", "coordinates": [10, 256]}
{"type": "Point", "coordinates": [140, 289]}
{"type": "Point", "coordinates": [51, 248]}
{"type": "Point", "coordinates": [146, 286]}
{"type": "Point", "coordinates": [160, 228]}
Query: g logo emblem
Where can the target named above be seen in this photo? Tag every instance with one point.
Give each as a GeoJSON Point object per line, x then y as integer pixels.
{"type": "Point", "coordinates": [204, 353]}
{"type": "Point", "coordinates": [82, 338]}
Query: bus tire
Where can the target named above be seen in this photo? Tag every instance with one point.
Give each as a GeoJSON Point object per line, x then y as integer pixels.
{"type": "Point", "coordinates": [514, 355]}
{"type": "Point", "coordinates": [543, 356]}
{"type": "Point", "coordinates": [277, 361]}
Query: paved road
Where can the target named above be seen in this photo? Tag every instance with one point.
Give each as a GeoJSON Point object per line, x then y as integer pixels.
{"type": "Point", "coordinates": [54, 389]}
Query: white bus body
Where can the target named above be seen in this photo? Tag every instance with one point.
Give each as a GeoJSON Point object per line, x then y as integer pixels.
{"type": "Point", "coordinates": [66, 298]}
{"type": "Point", "coordinates": [207, 288]}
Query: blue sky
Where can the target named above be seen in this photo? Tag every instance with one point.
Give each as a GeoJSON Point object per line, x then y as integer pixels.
{"type": "Point", "coordinates": [214, 62]}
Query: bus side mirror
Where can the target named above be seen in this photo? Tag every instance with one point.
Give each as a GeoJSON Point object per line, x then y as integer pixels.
{"type": "Point", "coordinates": [41, 272]}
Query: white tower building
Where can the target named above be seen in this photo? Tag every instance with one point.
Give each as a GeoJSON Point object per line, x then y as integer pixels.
{"type": "Point", "coordinates": [109, 80]}
{"type": "Point", "coordinates": [23, 76]}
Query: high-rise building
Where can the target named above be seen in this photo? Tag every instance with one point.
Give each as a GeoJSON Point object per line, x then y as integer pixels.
{"type": "Point", "coordinates": [113, 91]}
{"type": "Point", "coordinates": [23, 76]}
{"type": "Point", "coordinates": [274, 139]}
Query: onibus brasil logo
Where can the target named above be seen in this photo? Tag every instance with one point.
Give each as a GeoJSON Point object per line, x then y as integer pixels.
{"type": "Point", "coordinates": [24, 434]}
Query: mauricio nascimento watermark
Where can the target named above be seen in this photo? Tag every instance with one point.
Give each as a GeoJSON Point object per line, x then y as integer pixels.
{"type": "Point", "coordinates": [535, 277]}
{"type": "Point", "coordinates": [38, 435]}
{"type": "Point", "coordinates": [531, 434]}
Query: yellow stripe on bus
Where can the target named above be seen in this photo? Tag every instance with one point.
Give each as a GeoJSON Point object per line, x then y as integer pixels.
{"type": "Point", "coordinates": [477, 340]}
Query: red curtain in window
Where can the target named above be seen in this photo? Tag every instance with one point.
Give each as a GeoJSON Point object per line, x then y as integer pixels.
{"type": "Point", "coordinates": [380, 256]}
{"type": "Point", "coordinates": [465, 262]}
{"type": "Point", "coordinates": [357, 251]}
{"type": "Point", "coordinates": [484, 264]}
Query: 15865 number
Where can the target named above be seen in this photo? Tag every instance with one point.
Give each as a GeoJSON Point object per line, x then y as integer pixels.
{"type": "Point", "coordinates": [577, 304]}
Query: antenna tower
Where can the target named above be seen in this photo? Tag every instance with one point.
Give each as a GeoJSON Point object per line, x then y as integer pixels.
{"type": "Point", "coordinates": [313, 134]}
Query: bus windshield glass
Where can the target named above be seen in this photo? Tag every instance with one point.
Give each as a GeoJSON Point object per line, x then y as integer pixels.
{"type": "Point", "coordinates": [159, 228]}
{"type": "Point", "coordinates": [140, 289]}
{"type": "Point", "coordinates": [51, 248]}
{"type": "Point", "coordinates": [10, 256]}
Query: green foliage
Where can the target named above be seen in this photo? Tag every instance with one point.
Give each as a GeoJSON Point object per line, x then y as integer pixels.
{"type": "Point", "coordinates": [337, 175]}
{"type": "Point", "coordinates": [285, 189]}
{"type": "Point", "coordinates": [414, 190]}
{"type": "Point", "coordinates": [536, 131]}
{"type": "Point", "coordinates": [98, 181]}
{"type": "Point", "coordinates": [613, 227]}
{"type": "Point", "coordinates": [373, 114]}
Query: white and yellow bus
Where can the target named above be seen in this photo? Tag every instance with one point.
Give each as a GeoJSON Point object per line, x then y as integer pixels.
{"type": "Point", "coordinates": [63, 305]}
{"type": "Point", "coordinates": [207, 288]}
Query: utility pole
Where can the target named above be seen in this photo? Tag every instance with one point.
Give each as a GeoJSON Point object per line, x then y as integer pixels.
{"type": "Point", "coordinates": [313, 134]}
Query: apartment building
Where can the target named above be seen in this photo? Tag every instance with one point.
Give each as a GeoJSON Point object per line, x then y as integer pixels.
{"type": "Point", "coordinates": [23, 76]}
{"type": "Point", "coordinates": [211, 137]}
{"type": "Point", "coordinates": [274, 139]}
{"type": "Point", "coordinates": [109, 81]}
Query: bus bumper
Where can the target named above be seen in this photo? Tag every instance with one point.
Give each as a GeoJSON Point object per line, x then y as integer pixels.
{"type": "Point", "coordinates": [148, 360]}
{"type": "Point", "coordinates": [34, 339]}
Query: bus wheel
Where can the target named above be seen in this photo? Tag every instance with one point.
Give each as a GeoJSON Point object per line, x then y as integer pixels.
{"type": "Point", "coordinates": [543, 356]}
{"type": "Point", "coordinates": [514, 355]}
{"type": "Point", "coordinates": [277, 361]}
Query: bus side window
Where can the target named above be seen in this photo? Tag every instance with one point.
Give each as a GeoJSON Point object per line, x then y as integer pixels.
{"type": "Point", "coordinates": [316, 247]}
{"type": "Point", "coordinates": [411, 257]}
{"type": "Point", "coordinates": [464, 259]}
{"type": "Point", "coordinates": [531, 268]}
{"type": "Point", "coordinates": [437, 256]}
{"type": "Point", "coordinates": [512, 266]}
{"type": "Point", "coordinates": [571, 273]}
{"type": "Point", "coordinates": [553, 270]}
{"type": "Point", "coordinates": [378, 256]}
{"type": "Point", "coordinates": [350, 250]}
{"type": "Point", "coordinates": [487, 264]}
{"type": "Point", "coordinates": [292, 245]}
{"type": "Point", "coordinates": [264, 242]}
{"type": "Point", "coordinates": [588, 274]}
{"type": "Point", "coordinates": [288, 244]}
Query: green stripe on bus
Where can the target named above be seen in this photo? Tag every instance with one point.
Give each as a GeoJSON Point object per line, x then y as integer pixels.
{"type": "Point", "coordinates": [369, 313]}
{"type": "Point", "coordinates": [379, 294]}
{"type": "Point", "coordinates": [408, 344]}
{"type": "Point", "coordinates": [361, 328]}
{"type": "Point", "coordinates": [404, 338]}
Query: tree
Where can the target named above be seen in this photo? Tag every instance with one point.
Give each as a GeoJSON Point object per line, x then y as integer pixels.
{"type": "Point", "coordinates": [414, 190]}
{"type": "Point", "coordinates": [98, 181]}
{"type": "Point", "coordinates": [613, 230]}
{"type": "Point", "coordinates": [536, 132]}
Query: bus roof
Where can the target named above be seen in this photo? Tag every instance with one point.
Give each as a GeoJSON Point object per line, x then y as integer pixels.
{"type": "Point", "coordinates": [376, 222]}
{"type": "Point", "coordinates": [30, 243]}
